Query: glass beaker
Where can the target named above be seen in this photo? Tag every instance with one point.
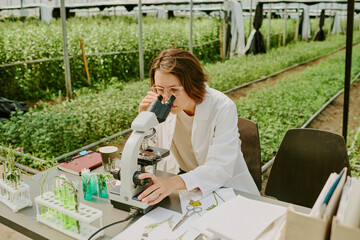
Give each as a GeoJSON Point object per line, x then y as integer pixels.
{"type": "Point", "coordinates": [87, 189]}
{"type": "Point", "coordinates": [93, 184]}
{"type": "Point", "coordinates": [102, 186]}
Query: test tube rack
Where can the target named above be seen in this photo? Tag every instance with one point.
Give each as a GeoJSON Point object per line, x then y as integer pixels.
{"type": "Point", "coordinates": [86, 215]}
{"type": "Point", "coordinates": [15, 199]}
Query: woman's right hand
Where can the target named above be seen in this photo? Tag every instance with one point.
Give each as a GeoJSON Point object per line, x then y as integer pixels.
{"type": "Point", "coordinates": [147, 100]}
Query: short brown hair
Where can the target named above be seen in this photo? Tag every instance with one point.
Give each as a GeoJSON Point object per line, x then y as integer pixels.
{"type": "Point", "coordinates": [186, 67]}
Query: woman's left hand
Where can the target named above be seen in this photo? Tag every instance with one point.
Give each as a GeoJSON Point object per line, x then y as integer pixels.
{"type": "Point", "coordinates": [159, 188]}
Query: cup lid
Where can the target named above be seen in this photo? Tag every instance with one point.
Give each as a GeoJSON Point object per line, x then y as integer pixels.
{"type": "Point", "coordinates": [108, 149]}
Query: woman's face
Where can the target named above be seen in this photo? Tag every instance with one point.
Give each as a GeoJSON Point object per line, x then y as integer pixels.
{"type": "Point", "coordinates": [182, 102]}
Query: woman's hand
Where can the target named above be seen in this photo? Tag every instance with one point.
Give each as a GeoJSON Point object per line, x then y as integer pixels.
{"type": "Point", "coordinates": [160, 188]}
{"type": "Point", "coordinates": [147, 100]}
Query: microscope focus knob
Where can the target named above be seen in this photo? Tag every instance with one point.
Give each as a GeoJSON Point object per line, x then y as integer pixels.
{"type": "Point", "coordinates": [141, 182]}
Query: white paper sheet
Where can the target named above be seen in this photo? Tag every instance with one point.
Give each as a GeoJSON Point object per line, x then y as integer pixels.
{"type": "Point", "coordinates": [164, 230]}
{"type": "Point", "coordinates": [208, 201]}
{"type": "Point", "coordinates": [239, 218]}
{"type": "Point", "coordinates": [141, 227]}
{"type": "Point", "coordinates": [316, 209]}
{"type": "Point", "coordinates": [349, 206]}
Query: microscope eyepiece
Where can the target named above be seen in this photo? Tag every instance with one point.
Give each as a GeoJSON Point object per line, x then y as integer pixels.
{"type": "Point", "coordinates": [160, 109]}
{"type": "Point", "coordinates": [170, 101]}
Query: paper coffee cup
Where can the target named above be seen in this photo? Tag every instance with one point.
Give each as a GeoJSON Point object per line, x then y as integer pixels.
{"type": "Point", "coordinates": [109, 155]}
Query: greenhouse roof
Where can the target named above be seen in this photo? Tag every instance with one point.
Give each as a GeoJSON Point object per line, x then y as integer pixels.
{"type": "Point", "coordinates": [128, 4]}
{"type": "Point", "coordinates": [144, 2]}
{"type": "Point", "coordinates": [122, 3]}
{"type": "Point", "coordinates": [306, 1]}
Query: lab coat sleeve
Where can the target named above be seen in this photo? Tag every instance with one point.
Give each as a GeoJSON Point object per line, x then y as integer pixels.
{"type": "Point", "coordinates": [222, 155]}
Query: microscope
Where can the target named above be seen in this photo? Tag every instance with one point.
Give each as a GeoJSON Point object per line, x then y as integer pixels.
{"type": "Point", "coordinates": [137, 155]}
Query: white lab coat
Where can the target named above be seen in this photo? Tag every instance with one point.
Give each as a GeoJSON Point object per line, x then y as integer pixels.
{"type": "Point", "coordinates": [216, 145]}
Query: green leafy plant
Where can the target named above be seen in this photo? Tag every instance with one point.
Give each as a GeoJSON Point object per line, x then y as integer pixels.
{"type": "Point", "coordinates": [41, 180]}
{"type": "Point", "coordinates": [152, 226]}
{"type": "Point", "coordinates": [11, 174]}
{"type": "Point", "coordinates": [103, 177]}
{"type": "Point", "coordinates": [102, 183]}
{"type": "Point", "coordinates": [216, 195]}
{"type": "Point", "coordinates": [239, 70]}
{"type": "Point", "coordinates": [288, 104]}
{"type": "Point", "coordinates": [31, 40]}
{"type": "Point", "coordinates": [354, 155]}
{"type": "Point", "coordinates": [58, 129]}
{"type": "Point", "coordinates": [87, 184]}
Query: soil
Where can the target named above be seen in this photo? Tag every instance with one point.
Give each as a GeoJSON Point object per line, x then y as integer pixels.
{"type": "Point", "coordinates": [236, 95]}
{"type": "Point", "coordinates": [331, 119]}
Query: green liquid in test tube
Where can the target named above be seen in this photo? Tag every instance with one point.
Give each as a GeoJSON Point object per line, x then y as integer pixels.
{"type": "Point", "coordinates": [72, 208]}
{"type": "Point", "coordinates": [64, 199]}
{"type": "Point", "coordinates": [66, 221]}
{"type": "Point", "coordinates": [58, 192]}
{"type": "Point", "coordinates": [43, 210]}
{"type": "Point", "coordinates": [66, 196]}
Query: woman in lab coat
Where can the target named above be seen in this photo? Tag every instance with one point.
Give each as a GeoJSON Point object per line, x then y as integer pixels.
{"type": "Point", "coordinates": [201, 131]}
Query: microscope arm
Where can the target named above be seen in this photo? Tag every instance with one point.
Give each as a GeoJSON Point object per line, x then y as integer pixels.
{"type": "Point", "coordinates": [125, 195]}
{"type": "Point", "coordinates": [129, 159]}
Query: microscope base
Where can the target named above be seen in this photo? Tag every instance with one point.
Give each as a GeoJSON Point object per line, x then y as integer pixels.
{"type": "Point", "coordinates": [127, 207]}
{"type": "Point", "coordinates": [117, 202]}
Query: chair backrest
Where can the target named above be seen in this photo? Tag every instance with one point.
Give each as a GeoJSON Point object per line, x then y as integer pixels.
{"type": "Point", "coordinates": [303, 163]}
{"type": "Point", "coordinates": [250, 147]}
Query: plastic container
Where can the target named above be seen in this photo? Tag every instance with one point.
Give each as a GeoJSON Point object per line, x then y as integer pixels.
{"type": "Point", "coordinates": [93, 184]}
{"type": "Point", "coordinates": [102, 185]}
{"type": "Point", "coordinates": [15, 199]}
{"type": "Point", "coordinates": [66, 223]}
{"type": "Point", "coordinates": [87, 186]}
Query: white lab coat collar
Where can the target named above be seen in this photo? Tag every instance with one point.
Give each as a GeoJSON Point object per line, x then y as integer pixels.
{"type": "Point", "coordinates": [201, 113]}
{"type": "Point", "coordinates": [202, 110]}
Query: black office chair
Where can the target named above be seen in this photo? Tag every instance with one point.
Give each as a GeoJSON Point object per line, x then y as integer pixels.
{"type": "Point", "coordinates": [303, 163]}
{"type": "Point", "coordinates": [250, 147]}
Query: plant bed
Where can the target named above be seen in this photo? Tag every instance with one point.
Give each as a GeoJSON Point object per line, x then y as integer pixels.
{"type": "Point", "coordinates": [52, 130]}
{"type": "Point", "coordinates": [293, 100]}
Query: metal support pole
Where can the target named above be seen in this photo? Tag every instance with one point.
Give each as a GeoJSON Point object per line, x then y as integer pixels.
{"type": "Point", "coordinates": [317, 13]}
{"type": "Point", "coordinates": [269, 29]}
{"type": "Point", "coordinates": [331, 15]}
{"type": "Point", "coordinates": [141, 54]}
{"type": "Point", "coordinates": [349, 41]}
{"type": "Point", "coordinates": [191, 27]}
{"type": "Point", "coordinates": [65, 48]}
{"type": "Point", "coordinates": [285, 18]}
{"type": "Point", "coordinates": [224, 35]}
{"type": "Point", "coordinates": [250, 11]}
{"type": "Point", "coordinates": [297, 23]}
